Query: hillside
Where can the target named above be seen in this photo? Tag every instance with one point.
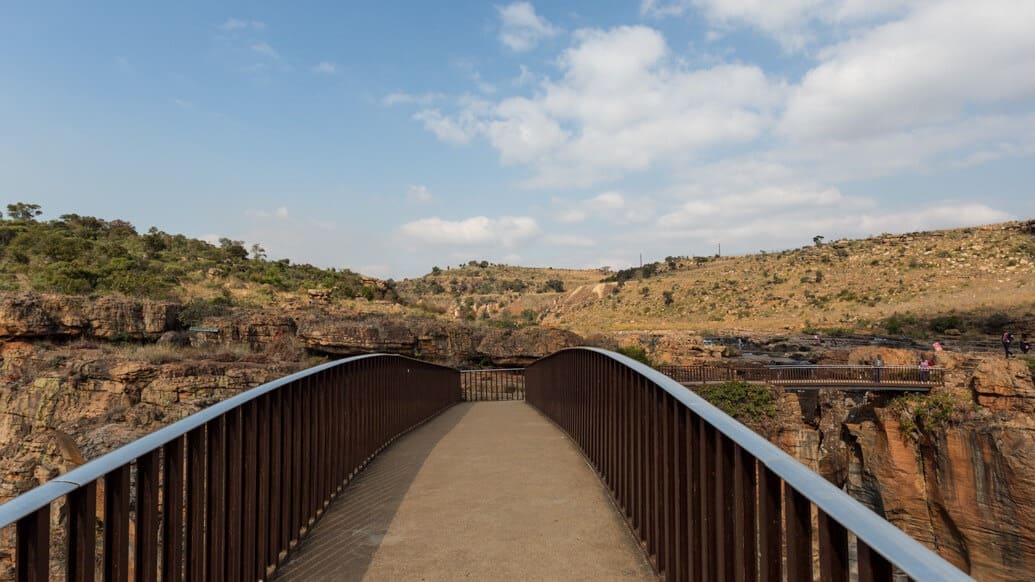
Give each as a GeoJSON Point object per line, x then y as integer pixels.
{"type": "Point", "coordinates": [970, 280]}
{"type": "Point", "coordinates": [974, 280]}
{"type": "Point", "coordinates": [84, 255]}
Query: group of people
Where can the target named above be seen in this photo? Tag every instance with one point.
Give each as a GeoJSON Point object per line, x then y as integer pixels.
{"type": "Point", "coordinates": [1008, 341]}
{"type": "Point", "coordinates": [924, 367]}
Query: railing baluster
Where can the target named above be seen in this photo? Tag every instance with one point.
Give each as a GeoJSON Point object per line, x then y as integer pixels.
{"type": "Point", "coordinates": [116, 525]}
{"type": "Point", "coordinates": [746, 548]}
{"type": "Point", "coordinates": [196, 560]}
{"type": "Point", "coordinates": [833, 550]}
{"type": "Point", "coordinates": [770, 542]}
{"type": "Point", "coordinates": [873, 567]}
{"type": "Point", "coordinates": [798, 528]}
{"type": "Point", "coordinates": [215, 506]}
{"type": "Point", "coordinates": [33, 546]}
{"type": "Point", "coordinates": [146, 558]}
{"type": "Point", "coordinates": [173, 509]}
{"type": "Point", "coordinates": [82, 533]}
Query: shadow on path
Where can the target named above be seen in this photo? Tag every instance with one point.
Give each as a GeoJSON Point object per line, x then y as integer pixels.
{"type": "Point", "coordinates": [342, 545]}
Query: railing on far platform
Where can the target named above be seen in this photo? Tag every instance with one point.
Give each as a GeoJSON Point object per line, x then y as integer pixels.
{"type": "Point", "coordinates": [493, 384]}
{"type": "Point", "coordinates": [226, 493]}
{"type": "Point", "coordinates": [710, 499]}
{"type": "Point", "coordinates": [833, 376]}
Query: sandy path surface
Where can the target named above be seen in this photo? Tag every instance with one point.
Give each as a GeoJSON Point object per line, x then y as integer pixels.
{"type": "Point", "coordinates": [486, 491]}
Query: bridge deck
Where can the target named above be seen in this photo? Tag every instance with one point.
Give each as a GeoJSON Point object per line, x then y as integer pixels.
{"type": "Point", "coordinates": [486, 491]}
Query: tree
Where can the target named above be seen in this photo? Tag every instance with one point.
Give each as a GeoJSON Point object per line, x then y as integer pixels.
{"type": "Point", "coordinates": [23, 211]}
{"type": "Point", "coordinates": [555, 285]}
{"type": "Point", "coordinates": [234, 249]}
{"type": "Point", "coordinates": [258, 253]}
{"type": "Point", "coordinates": [436, 271]}
{"type": "Point", "coordinates": [818, 240]}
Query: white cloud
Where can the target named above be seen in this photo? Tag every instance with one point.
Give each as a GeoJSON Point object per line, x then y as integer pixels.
{"type": "Point", "coordinates": [457, 130]}
{"type": "Point", "coordinates": [927, 68]}
{"type": "Point", "coordinates": [569, 240]}
{"type": "Point", "coordinates": [521, 28]}
{"type": "Point", "coordinates": [232, 24]}
{"type": "Point", "coordinates": [182, 103]}
{"type": "Point", "coordinates": [506, 231]}
{"type": "Point", "coordinates": [281, 212]}
{"type": "Point", "coordinates": [791, 22]}
{"type": "Point", "coordinates": [265, 50]}
{"type": "Point", "coordinates": [623, 104]}
{"type": "Point", "coordinates": [401, 98]}
{"type": "Point", "coordinates": [611, 207]}
{"type": "Point", "coordinates": [418, 194]}
{"type": "Point", "coordinates": [325, 68]}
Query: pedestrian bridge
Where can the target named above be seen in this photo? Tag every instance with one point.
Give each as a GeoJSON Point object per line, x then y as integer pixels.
{"type": "Point", "coordinates": [809, 377]}
{"type": "Point", "coordinates": [382, 468]}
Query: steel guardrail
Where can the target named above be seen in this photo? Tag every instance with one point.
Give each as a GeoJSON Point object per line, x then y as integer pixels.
{"type": "Point", "coordinates": [493, 384]}
{"type": "Point", "coordinates": [230, 489]}
{"type": "Point", "coordinates": [710, 498]}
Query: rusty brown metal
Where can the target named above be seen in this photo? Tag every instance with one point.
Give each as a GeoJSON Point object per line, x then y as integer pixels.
{"type": "Point", "coordinates": [33, 546]}
{"type": "Point", "coordinates": [145, 566]}
{"type": "Point", "coordinates": [873, 567]}
{"type": "Point", "coordinates": [705, 495]}
{"type": "Point", "coordinates": [116, 524]}
{"type": "Point", "coordinates": [493, 384]}
{"type": "Point", "coordinates": [173, 510]}
{"type": "Point", "coordinates": [82, 533]}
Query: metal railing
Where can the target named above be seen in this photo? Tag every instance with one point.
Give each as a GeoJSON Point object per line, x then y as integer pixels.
{"type": "Point", "coordinates": [710, 499]}
{"type": "Point", "coordinates": [887, 376]}
{"type": "Point", "coordinates": [226, 493]}
{"type": "Point", "coordinates": [855, 375]}
{"type": "Point", "coordinates": [494, 384]}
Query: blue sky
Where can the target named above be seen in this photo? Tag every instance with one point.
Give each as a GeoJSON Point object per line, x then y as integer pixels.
{"type": "Point", "coordinates": [392, 136]}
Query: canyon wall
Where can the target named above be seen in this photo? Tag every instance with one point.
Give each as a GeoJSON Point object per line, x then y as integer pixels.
{"type": "Point", "coordinates": [954, 469]}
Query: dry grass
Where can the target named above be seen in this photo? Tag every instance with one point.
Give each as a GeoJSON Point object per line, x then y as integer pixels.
{"type": "Point", "coordinates": [849, 285]}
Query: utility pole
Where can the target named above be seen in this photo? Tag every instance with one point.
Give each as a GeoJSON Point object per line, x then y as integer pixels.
{"type": "Point", "coordinates": [641, 260]}
{"type": "Point", "coordinates": [719, 253]}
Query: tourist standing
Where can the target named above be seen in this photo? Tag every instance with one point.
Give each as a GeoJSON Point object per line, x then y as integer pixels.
{"type": "Point", "coordinates": [1007, 340]}
{"type": "Point", "coordinates": [925, 370]}
{"type": "Point", "coordinates": [878, 365]}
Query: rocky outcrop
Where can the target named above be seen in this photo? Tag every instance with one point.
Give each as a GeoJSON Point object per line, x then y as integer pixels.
{"type": "Point", "coordinates": [1004, 385]}
{"type": "Point", "coordinates": [440, 341]}
{"type": "Point", "coordinates": [670, 347]}
{"type": "Point", "coordinates": [30, 316]}
{"type": "Point", "coordinates": [524, 346]}
{"type": "Point", "coordinates": [99, 402]}
{"type": "Point", "coordinates": [961, 481]}
{"type": "Point", "coordinates": [257, 329]}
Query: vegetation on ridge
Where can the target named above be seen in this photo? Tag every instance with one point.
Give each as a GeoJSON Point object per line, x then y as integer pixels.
{"type": "Point", "coordinates": [83, 255]}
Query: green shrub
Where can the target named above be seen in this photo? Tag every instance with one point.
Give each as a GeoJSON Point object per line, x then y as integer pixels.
{"type": "Point", "coordinates": [196, 310]}
{"type": "Point", "coordinates": [994, 323]}
{"type": "Point", "coordinates": [918, 413]}
{"type": "Point", "coordinates": [741, 400]}
{"type": "Point", "coordinates": [636, 352]}
{"type": "Point", "coordinates": [945, 322]}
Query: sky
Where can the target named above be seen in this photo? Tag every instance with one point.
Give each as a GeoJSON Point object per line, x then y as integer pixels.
{"type": "Point", "coordinates": [389, 137]}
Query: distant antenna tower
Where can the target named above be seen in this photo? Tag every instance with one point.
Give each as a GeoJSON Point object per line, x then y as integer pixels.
{"type": "Point", "coordinates": [719, 253]}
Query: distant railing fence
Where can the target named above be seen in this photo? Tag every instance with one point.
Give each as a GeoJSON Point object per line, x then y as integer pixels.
{"type": "Point", "coordinates": [494, 384]}
{"type": "Point", "coordinates": [808, 375]}
{"type": "Point", "coordinates": [226, 493]}
{"type": "Point", "coordinates": [710, 499]}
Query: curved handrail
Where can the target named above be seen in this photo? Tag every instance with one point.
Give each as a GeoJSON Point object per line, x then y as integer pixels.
{"type": "Point", "coordinates": [276, 453]}
{"type": "Point", "coordinates": [37, 497]}
{"type": "Point", "coordinates": [912, 557]}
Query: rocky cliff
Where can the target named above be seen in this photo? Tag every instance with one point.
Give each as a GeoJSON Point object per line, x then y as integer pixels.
{"type": "Point", "coordinates": [954, 469]}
